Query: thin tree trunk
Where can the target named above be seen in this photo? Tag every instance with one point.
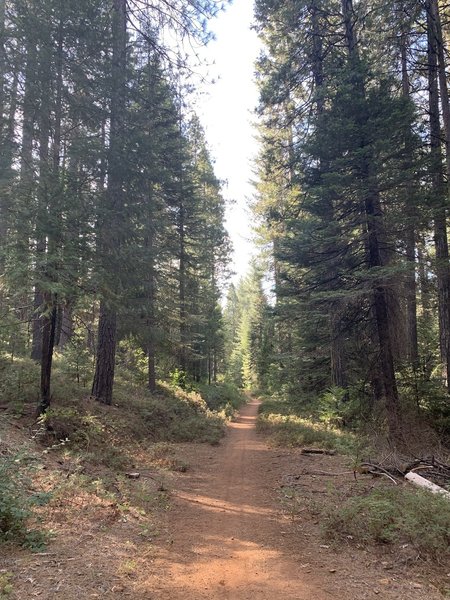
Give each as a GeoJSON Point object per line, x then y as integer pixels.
{"type": "Point", "coordinates": [41, 227]}
{"type": "Point", "coordinates": [439, 197]}
{"type": "Point", "coordinates": [439, 48]}
{"type": "Point", "coordinates": [4, 167]}
{"type": "Point", "coordinates": [182, 291]}
{"type": "Point", "coordinates": [410, 237]}
{"type": "Point", "coordinates": [151, 285]}
{"type": "Point", "coordinates": [48, 343]}
{"type": "Point", "coordinates": [66, 325]}
{"type": "Point", "coordinates": [45, 324]}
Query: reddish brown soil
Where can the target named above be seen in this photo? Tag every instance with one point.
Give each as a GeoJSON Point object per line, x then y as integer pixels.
{"type": "Point", "coordinates": [225, 536]}
{"type": "Point", "coordinates": [232, 541]}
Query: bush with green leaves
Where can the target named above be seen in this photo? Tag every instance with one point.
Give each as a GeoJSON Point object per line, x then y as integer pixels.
{"type": "Point", "coordinates": [76, 360]}
{"type": "Point", "coordinates": [19, 380]}
{"type": "Point", "coordinates": [222, 397]}
{"type": "Point", "coordinates": [395, 515]}
{"type": "Point", "coordinates": [6, 587]}
{"type": "Point", "coordinates": [332, 406]}
{"type": "Point", "coordinates": [180, 416]}
{"type": "Point", "coordinates": [16, 504]}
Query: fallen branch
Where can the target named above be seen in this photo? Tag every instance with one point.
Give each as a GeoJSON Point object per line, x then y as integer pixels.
{"type": "Point", "coordinates": [318, 451]}
{"type": "Point", "coordinates": [374, 469]}
{"type": "Point", "coordinates": [328, 474]}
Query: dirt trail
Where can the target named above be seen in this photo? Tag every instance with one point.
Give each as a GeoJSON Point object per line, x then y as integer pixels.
{"type": "Point", "coordinates": [231, 541]}
{"type": "Point", "coordinates": [228, 538]}
{"type": "Point", "coordinates": [224, 537]}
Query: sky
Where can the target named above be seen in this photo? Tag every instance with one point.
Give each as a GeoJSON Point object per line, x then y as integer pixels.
{"type": "Point", "coordinates": [226, 112]}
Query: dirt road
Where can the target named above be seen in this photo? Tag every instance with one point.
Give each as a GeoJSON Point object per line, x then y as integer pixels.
{"type": "Point", "coordinates": [230, 540]}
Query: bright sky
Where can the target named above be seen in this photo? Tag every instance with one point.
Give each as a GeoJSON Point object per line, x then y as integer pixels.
{"type": "Point", "coordinates": [226, 111]}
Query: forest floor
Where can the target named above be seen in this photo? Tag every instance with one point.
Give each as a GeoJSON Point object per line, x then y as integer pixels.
{"type": "Point", "coordinates": [219, 531]}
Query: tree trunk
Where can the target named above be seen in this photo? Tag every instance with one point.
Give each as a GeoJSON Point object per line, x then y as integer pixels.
{"type": "Point", "coordinates": [411, 219]}
{"type": "Point", "coordinates": [66, 325]}
{"type": "Point", "coordinates": [438, 47]}
{"type": "Point", "coordinates": [375, 234]}
{"type": "Point", "coordinates": [45, 329]}
{"type": "Point", "coordinates": [110, 233]}
{"type": "Point", "coordinates": [4, 168]}
{"type": "Point", "coordinates": [48, 343]}
{"type": "Point", "coordinates": [182, 291]}
{"type": "Point", "coordinates": [337, 362]}
{"type": "Point", "coordinates": [41, 312]}
{"type": "Point", "coordinates": [151, 285]}
{"type": "Point", "coordinates": [102, 387]}
{"type": "Point", "coordinates": [439, 196]}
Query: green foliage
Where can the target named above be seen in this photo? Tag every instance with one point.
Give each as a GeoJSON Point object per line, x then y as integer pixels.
{"type": "Point", "coordinates": [332, 406]}
{"type": "Point", "coordinates": [427, 397]}
{"type": "Point", "coordinates": [180, 416]}
{"type": "Point", "coordinates": [247, 332]}
{"type": "Point", "coordinates": [222, 397]}
{"type": "Point", "coordinates": [17, 502]}
{"type": "Point", "coordinates": [6, 587]}
{"type": "Point", "coordinates": [293, 431]}
{"type": "Point", "coordinates": [287, 424]}
{"type": "Point", "coordinates": [132, 358]}
{"type": "Point", "coordinates": [76, 361]}
{"type": "Point", "coordinates": [19, 380]}
{"type": "Point", "coordinates": [72, 426]}
{"type": "Point", "coordinates": [395, 515]}
{"type": "Point", "coordinates": [178, 378]}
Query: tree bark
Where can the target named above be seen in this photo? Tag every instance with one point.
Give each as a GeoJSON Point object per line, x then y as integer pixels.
{"type": "Point", "coordinates": [102, 387]}
{"type": "Point", "coordinates": [410, 233]}
{"type": "Point", "coordinates": [337, 359]}
{"type": "Point", "coordinates": [375, 234]}
{"type": "Point", "coordinates": [110, 234]}
{"type": "Point", "coordinates": [440, 199]}
{"type": "Point", "coordinates": [151, 288]}
{"type": "Point", "coordinates": [182, 289]}
{"type": "Point", "coordinates": [48, 343]}
{"type": "Point", "coordinates": [43, 192]}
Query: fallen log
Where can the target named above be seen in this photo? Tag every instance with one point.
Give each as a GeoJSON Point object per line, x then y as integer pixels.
{"type": "Point", "coordinates": [420, 481]}
{"type": "Point", "coordinates": [318, 451]}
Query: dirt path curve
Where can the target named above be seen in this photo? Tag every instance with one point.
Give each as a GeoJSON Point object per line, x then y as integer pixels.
{"type": "Point", "coordinates": [228, 540]}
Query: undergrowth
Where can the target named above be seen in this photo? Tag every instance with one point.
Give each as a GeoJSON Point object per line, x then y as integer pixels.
{"type": "Point", "coordinates": [109, 435]}
{"type": "Point", "coordinates": [223, 398]}
{"type": "Point", "coordinates": [96, 445]}
{"type": "Point", "coordinates": [17, 501]}
{"type": "Point", "coordinates": [285, 424]}
{"type": "Point", "coordinates": [6, 587]}
{"type": "Point", "coordinates": [394, 515]}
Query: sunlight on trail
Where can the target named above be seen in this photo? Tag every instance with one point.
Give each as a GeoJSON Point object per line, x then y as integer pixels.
{"type": "Point", "coordinates": [224, 507]}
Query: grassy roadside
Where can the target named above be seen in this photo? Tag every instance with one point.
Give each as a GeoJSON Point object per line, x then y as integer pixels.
{"type": "Point", "coordinates": [289, 425]}
{"type": "Point", "coordinates": [362, 512]}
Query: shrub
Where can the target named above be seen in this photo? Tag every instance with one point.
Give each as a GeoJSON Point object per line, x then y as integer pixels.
{"type": "Point", "coordinates": [222, 396]}
{"type": "Point", "coordinates": [389, 515]}
{"type": "Point", "coordinates": [6, 587]}
{"type": "Point", "coordinates": [16, 504]}
{"type": "Point", "coordinates": [19, 381]}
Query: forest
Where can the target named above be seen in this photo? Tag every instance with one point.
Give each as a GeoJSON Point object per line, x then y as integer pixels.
{"type": "Point", "coordinates": [126, 339]}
